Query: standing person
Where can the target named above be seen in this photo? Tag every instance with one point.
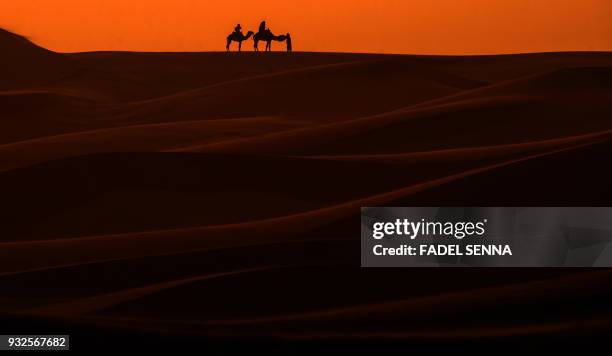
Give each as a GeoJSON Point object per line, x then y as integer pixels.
{"type": "Point", "coordinates": [289, 44]}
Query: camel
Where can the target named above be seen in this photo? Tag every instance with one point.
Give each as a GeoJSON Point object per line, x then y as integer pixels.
{"type": "Point", "coordinates": [267, 36]}
{"type": "Point", "coordinates": [237, 37]}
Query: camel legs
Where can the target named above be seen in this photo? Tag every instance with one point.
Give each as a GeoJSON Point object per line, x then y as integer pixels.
{"type": "Point", "coordinates": [229, 42]}
{"type": "Point", "coordinates": [268, 45]}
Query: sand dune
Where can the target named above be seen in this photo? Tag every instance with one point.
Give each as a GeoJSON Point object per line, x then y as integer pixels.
{"type": "Point", "coordinates": [253, 228]}
{"type": "Point", "coordinates": [147, 138]}
{"type": "Point", "coordinates": [21, 63]}
{"type": "Point", "coordinates": [219, 194]}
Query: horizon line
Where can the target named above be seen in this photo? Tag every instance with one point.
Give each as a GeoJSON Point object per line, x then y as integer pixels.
{"type": "Point", "coordinates": [468, 54]}
{"type": "Point", "coordinates": [262, 53]}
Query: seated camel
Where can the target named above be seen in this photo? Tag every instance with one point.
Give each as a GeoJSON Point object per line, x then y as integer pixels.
{"type": "Point", "coordinates": [267, 36]}
{"type": "Point", "coordinates": [237, 37]}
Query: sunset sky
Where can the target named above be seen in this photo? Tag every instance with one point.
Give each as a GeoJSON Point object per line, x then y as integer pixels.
{"type": "Point", "coordinates": [388, 26]}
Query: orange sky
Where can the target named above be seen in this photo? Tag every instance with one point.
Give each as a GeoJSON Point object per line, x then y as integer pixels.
{"type": "Point", "coordinates": [389, 26]}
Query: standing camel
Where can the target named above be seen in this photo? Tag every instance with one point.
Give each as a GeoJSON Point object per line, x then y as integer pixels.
{"type": "Point", "coordinates": [267, 36]}
{"type": "Point", "coordinates": [237, 37]}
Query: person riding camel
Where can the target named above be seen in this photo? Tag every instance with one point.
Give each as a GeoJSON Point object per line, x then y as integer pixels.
{"type": "Point", "coordinates": [238, 29]}
{"type": "Point", "coordinates": [262, 27]}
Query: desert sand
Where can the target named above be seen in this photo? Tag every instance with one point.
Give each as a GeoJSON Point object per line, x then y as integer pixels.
{"type": "Point", "coordinates": [218, 194]}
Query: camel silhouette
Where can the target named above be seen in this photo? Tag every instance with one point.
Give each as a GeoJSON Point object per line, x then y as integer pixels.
{"type": "Point", "coordinates": [267, 36]}
{"type": "Point", "coordinates": [237, 37]}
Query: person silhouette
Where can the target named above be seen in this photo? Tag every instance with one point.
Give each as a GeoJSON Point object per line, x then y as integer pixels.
{"type": "Point", "coordinates": [238, 29]}
{"type": "Point", "coordinates": [262, 27]}
{"type": "Point", "coordinates": [289, 43]}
